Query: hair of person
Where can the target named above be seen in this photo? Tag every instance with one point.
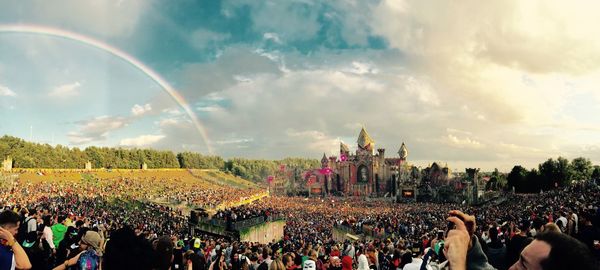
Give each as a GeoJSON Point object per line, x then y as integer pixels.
{"type": "Point", "coordinates": [276, 265]}
{"type": "Point", "coordinates": [551, 227]}
{"type": "Point", "coordinates": [47, 220]}
{"type": "Point", "coordinates": [493, 232]}
{"type": "Point", "coordinates": [164, 252]}
{"type": "Point", "coordinates": [266, 252]}
{"type": "Point", "coordinates": [286, 258]}
{"type": "Point", "coordinates": [61, 218]}
{"type": "Point", "coordinates": [313, 254]}
{"type": "Point", "coordinates": [8, 217]}
{"type": "Point", "coordinates": [197, 261]}
{"type": "Point", "coordinates": [125, 245]}
{"type": "Point", "coordinates": [566, 252]}
{"type": "Point", "coordinates": [405, 259]}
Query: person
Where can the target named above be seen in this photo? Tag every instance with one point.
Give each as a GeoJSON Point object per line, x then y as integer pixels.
{"type": "Point", "coordinates": [67, 244]}
{"type": "Point", "coordinates": [47, 234]}
{"type": "Point", "coordinates": [346, 262]}
{"type": "Point", "coordinates": [31, 221]}
{"type": "Point", "coordinates": [517, 243]}
{"type": "Point", "coordinates": [266, 256]}
{"type": "Point", "coordinates": [588, 234]}
{"type": "Point", "coordinates": [461, 247]}
{"type": "Point", "coordinates": [496, 251]}
{"type": "Point", "coordinates": [550, 227]}
{"type": "Point", "coordinates": [12, 255]}
{"type": "Point", "coordinates": [276, 264]}
{"type": "Point", "coordinates": [87, 258]}
{"type": "Point", "coordinates": [193, 261]}
{"type": "Point", "coordinates": [125, 245]}
{"type": "Point", "coordinates": [164, 253]}
{"type": "Point", "coordinates": [363, 262]}
{"type": "Point", "coordinates": [58, 231]}
{"type": "Point", "coordinates": [548, 251]}
{"type": "Point", "coordinates": [551, 250]}
{"type": "Point", "coordinates": [38, 250]}
{"type": "Point", "coordinates": [311, 262]}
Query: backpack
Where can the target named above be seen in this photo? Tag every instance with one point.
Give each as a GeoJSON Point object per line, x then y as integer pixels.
{"type": "Point", "coordinates": [22, 233]}
{"type": "Point", "coordinates": [89, 260]}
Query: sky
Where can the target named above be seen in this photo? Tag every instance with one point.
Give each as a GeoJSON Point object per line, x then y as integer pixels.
{"type": "Point", "coordinates": [466, 83]}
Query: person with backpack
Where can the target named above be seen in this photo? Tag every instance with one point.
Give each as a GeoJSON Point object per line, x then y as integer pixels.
{"type": "Point", "coordinates": [38, 250]}
{"type": "Point", "coordinates": [88, 258]}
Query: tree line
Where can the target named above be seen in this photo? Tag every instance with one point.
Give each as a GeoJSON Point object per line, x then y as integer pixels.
{"type": "Point", "coordinates": [553, 173]}
{"type": "Point", "coordinates": [35, 155]}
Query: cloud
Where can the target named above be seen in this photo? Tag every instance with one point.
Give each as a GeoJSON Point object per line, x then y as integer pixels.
{"type": "Point", "coordinates": [106, 18]}
{"type": "Point", "coordinates": [6, 92]}
{"type": "Point", "coordinates": [65, 90]}
{"type": "Point", "coordinates": [143, 140]}
{"type": "Point", "coordinates": [462, 142]}
{"type": "Point", "coordinates": [290, 20]}
{"type": "Point", "coordinates": [316, 140]}
{"type": "Point", "coordinates": [139, 110]}
{"type": "Point", "coordinates": [96, 129]}
{"type": "Point", "coordinates": [204, 38]}
{"type": "Point", "coordinates": [272, 36]}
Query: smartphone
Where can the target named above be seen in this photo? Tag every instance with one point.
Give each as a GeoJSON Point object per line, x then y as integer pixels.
{"type": "Point", "coordinates": [451, 225]}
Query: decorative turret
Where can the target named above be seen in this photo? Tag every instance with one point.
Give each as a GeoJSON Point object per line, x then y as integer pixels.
{"type": "Point", "coordinates": [403, 152]}
{"type": "Point", "coordinates": [344, 148]}
{"type": "Point", "coordinates": [324, 161]}
{"type": "Point", "coordinates": [364, 140]}
{"type": "Point", "coordinates": [7, 164]}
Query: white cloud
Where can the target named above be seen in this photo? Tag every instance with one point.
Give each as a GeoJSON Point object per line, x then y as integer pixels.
{"type": "Point", "coordinates": [65, 90]}
{"type": "Point", "coordinates": [96, 129]}
{"type": "Point", "coordinates": [139, 110]}
{"type": "Point", "coordinates": [6, 92]}
{"type": "Point", "coordinates": [362, 68]}
{"type": "Point", "coordinates": [272, 36]}
{"type": "Point", "coordinates": [208, 108]}
{"type": "Point", "coordinates": [143, 140]}
{"type": "Point", "coordinates": [316, 140]}
{"type": "Point", "coordinates": [234, 141]}
{"type": "Point", "coordinates": [454, 140]}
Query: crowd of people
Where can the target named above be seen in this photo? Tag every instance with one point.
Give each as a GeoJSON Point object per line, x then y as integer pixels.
{"type": "Point", "coordinates": [117, 223]}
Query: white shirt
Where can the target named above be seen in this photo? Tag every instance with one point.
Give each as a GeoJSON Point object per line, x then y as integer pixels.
{"type": "Point", "coordinates": [416, 265]}
{"type": "Point", "coordinates": [363, 262]}
{"type": "Point", "coordinates": [49, 236]}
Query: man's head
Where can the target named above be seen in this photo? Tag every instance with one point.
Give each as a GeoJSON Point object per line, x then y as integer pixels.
{"type": "Point", "coordinates": [9, 220]}
{"type": "Point", "coordinates": [553, 251]}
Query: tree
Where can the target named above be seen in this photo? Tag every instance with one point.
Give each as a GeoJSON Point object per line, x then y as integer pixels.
{"type": "Point", "coordinates": [596, 173]}
{"type": "Point", "coordinates": [533, 182]}
{"type": "Point", "coordinates": [581, 169]}
{"type": "Point", "coordinates": [516, 178]}
{"type": "Point", "coordinates": [565, 174]}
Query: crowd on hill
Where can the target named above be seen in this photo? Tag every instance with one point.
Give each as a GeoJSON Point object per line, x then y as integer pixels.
{"type": "Point", "coordinates": [114, 223]}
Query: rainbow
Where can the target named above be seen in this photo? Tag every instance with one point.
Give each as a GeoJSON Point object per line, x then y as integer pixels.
{"type": "Point", "coordinates": [54, 32]}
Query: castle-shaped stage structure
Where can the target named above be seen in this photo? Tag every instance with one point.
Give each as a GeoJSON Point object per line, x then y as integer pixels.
{"type": "Point", "coordinates": [367, 172]}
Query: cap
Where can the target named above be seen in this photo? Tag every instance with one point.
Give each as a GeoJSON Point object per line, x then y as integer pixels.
{"type": "Point", "coordinates": [92, 238]}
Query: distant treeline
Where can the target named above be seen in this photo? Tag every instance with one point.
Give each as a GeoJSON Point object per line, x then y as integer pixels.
{"type": "Point", "coordinates": [553, 173]}
{"type": "Point", "coordinates": [34, 155]}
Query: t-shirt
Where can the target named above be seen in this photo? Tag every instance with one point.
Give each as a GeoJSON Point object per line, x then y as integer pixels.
{"type": "Point", "coordinates": [31, 224]}
{"type": "Point", "coordinates": [514, 248]}
{"type": "Point", "coordinates": [7, 258]}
